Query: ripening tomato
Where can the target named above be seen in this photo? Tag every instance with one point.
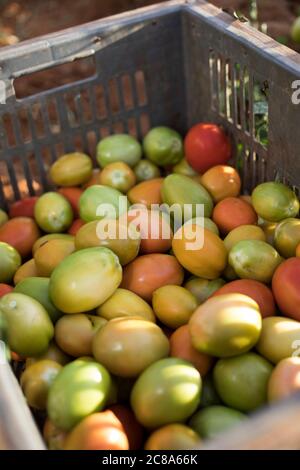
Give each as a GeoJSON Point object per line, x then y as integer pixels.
{"type": "Point", "coordinates": [23, 208]}
{"type": "Point", "coordinates": [233, 212]}
{"type": "Point", "coordinates": [286, 287]}
{"type": "Point", "coordinates": [21, 233]}
{"type": "Point", "coordinates": [206, 145]}
{"type": "Point", "coordinates": [222, 181]}
{"type": "Point", "coordinates": [76, 225]}
{"type": "Point", "coordinates": [72, 195]}
{"type": "Point", "coordinates": [5, 289]}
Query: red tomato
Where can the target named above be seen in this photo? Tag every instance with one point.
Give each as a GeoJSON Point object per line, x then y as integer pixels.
{"type": "Point", "coordinates": [206, 145]}
{"type": "Point", "coordinates": [23, 208]}
{"type": "Point", "coordinates": [72, 195]}
{"type": "Point", "coordinates": [131, 426]}
{"type": "Point", "coordinates": [21, 233]}
{"type": "Point", "coordinates": [76, 225]}
{"type": "Point", "coordinates": [256, 290]}
{"type": "Point", "coordinates": [286, 287]}
{"type": "Point", "coordinates": [5, 289]}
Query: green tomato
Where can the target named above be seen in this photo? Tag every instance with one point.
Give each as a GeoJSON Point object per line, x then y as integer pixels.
{"type": "Point", "coordinates": [3, 217]}
{"type": "Point", "coordinates": [118, 148]}
{"type": "Point", "coordinates": [38, 289]}
{"type": "Point", "coordinates": [202, 288]}
{"type": "Point", "coordinates": [254, 259]}
{"type": "Point", "coordinates": [98, 202]}
{"type": "Point", "coordinates": [72, 169]}
{"type": "Point", "coordinates": [168, 391]}
{"type": "Point", "coordinates": [10, 261]}
{"type": "Point", "coordinates": [275, 201]}
{"type": "Point", "coordinates": [183, 168]}
{"type": "Point", "coordinates": [28, 324]}
{"type": "Point", "coordinates": [211, 421]}
{"type": "Point", "coordinates": [146, 170]}
{"type": "Point", "coordinates": [242, 381]}
{"type": "Point", "coordinates": [80, 389]}
{"type": "Point", "coordinates": [163, 146]}
{"type": "Point", "coordinates": [287, 237]}
{"type": "Point", "coordinates": [53, 213]}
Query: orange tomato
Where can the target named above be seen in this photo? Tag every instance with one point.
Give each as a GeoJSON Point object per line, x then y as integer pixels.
{"type": "Point", "coordinates": [258, 291]}
{"type": "Point", "coordinates": [5, 289]}
{"type": "Point", "coordinates": [286, 287]}
{"type": "Point", "coordinates": [23, 208]}
{"type": "Point", "coordinates": [233, 212]}
{"type": "Point", "coordinates": [156, 233]}
{"type": "Point", "coordinates": [76, 225]}
{"type": "Point", "coordinates": [131, 426]}
{"type": "Point", "coordinates": [181, 347]}
{"type": "Point", "coordinates": [147, 273]}
{"type": "Point", "coordinates": [147, 192]}
{"type": "Point", "coordinates": [99, 431]}
{"type": "Point", "coordinates": [21, 233]}
{"type": "Point", "coordinates": [222, 181]}
{"type": "Point", "coordinates": [285, 379]}
{"type": "Point", "coordinates": [72, 195]}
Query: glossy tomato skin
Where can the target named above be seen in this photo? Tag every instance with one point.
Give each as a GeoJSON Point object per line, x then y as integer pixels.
{"type": "Point", "coordinates": [21, 233]}
{"type": "Point", "coordinates": [286, 288]}
{"type": "Point", "coordinates": [23, 208]}
{"type": "Point", "coordinates": [173, 437]}
{"type": "Point", "coordinates": [206, 145]}
{"type": "Point", "coordinates": [131, 426]}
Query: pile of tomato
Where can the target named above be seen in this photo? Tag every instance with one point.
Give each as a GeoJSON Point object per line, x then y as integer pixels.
{"type": "Point", "coordinates": [139, 341]}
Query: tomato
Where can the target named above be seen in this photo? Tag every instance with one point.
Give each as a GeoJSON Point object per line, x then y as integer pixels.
{"type": "Point", "coordinates": [123, 240]}
{"type": "Point", "coordinates": [118, 148]}
{"type": "Point", "coordinates": [53, 353]}
{"type": "Point", "coordinates": [226, 325]}
{"type": "Point", "coordinates": [10, 261]}
{"type": "Point", "coordinates": [214, 420]}
{"type": "Point", "coordinates": [173, 437]}
{"type": "Point", "coordinates": [155, 230]}
{"type": "Point", "coordinates": [279, 338]}
{"type": "Point", "coordinates": [5, 289]}
{"type": "Point", "coordinates": [147, 192]}
{"type": "Point", "coordinates": [254, 259]}
{"type": "Point", "coordinates": [72, 195]}
{"type": "Point", "coordinates": [243, 232]}
{"type": "Point", "coordinates": [50, 236]}
{"type": "Point", "coordinates": [127, 346]}
{"type": "Point", "coordinates": [286, 288]}
{"type": "Point", "coordinates": [142, 277]}
{"type": "Point", "coordinates": [287, 237]}
{"type": "Point", "coordinates": [222, 181]}
{"type": "Point", "coordinates": [85, 279]}
{"type": "Point", "coordinates": [124, 303]}
{"type": "Point", "coordinates": [209, 396]}
{"type": "Point", "coordinates": [130, 425]}
{"type": "Point", "coordinates": [98, 202]}
{"type": "Point", "coordinates": [94, 179]}
{"type": "Point", "coordinates": [23, 208]}
{"type": "Point", "coordinates": [38, 289]}
{"type": "Point", "coordinates": [173, 305]}
{"type": "Point", "coordinates": [74, 333]}
{"type": "Point", "coordinates": [206, 145]}
{"type": "Point", "coordinates": [29, 326]}
{"type": "Point", "coordinates": [3, 217]}
{"type": "Point", "coordinates": [285, 379]}
{"type": "Point", "coordinates": [118, 175]}
{"type": "Point", "coordinates": [242, 381]}
{"type": "Point", "coordinates": [188, 194]}
{"type": "Point", "coordinates": [206, 261]}
{"type": "Point", "coordinates": [27, 269]}
{"type": "Point", "coordinates": [54, 437]}
{"type": "Point", "coordinates": [275, 201]}
{"type": "Point", "coordinates": [36, 381]}
{"type": "Point", "coordinates": [182, 348]}
{"type": "Point", "coordinates": [183, 168]}
{"type": "Point", "coordinates": [233, 212]}
{"type": "Point", "coordinates": [202, 289]}
{"type": "Point", "coordinates": [53, 213]}
{"type": "Point", "coordinates": [72, 169]}
{"type": "Point", "coordinates": [163, 146]}
{"type": "Point", "coordinates": [80, 389]}
{"type": "Point", "coordinates": [258, 291]}
{"type": "Point", "coordinates": [100, 431]}
{"type": "Point", "coordinates": [76, 226]}
{"type": "Point", "coordinates": [166, 392]}
{"type": "Point", "coordinates": [21, 233]}
{"type": "Point", "coordinates": [51, 254]}
{"type": "Point", "coordinates": [146, 170]}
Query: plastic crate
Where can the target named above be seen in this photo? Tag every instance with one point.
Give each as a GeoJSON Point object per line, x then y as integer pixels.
{"type": "Point", "coordinates": [176, 63]}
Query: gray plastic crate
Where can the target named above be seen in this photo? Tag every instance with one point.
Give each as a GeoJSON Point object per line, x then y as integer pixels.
{"type": "Point", "coordinates": [176, 63]}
